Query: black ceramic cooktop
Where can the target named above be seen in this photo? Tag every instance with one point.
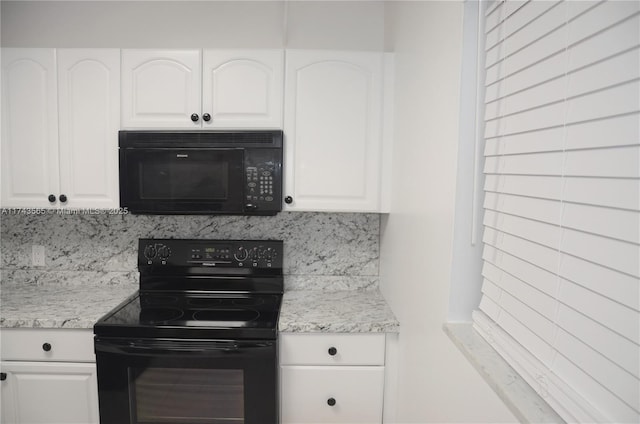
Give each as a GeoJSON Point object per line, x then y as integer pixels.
{"type": "Point", "coordinates": [186, 315]}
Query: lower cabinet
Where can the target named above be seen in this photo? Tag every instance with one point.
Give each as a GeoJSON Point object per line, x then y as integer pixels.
{"type": "Point", "coordinates": [48, 377]}
{"type": "Point", "coordinates": [332, 378]}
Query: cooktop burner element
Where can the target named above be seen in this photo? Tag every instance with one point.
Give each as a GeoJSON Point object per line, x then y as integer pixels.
{"type": "Point", "coordinates": [159, 315]}
{"type": "Point", "coordinates": [226, 315]}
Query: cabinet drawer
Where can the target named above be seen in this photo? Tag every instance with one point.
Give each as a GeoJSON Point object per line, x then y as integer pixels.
{"type": "Point", "coordinates": [308, 392]}
{"type": "Point", "coordinates": [65, 345]}
{"type": "Point", "coordinates": [332, 349]}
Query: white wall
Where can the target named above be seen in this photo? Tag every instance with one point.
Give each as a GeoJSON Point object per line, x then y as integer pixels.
{"type": "Point", "coordinates": [169, 24]}
{"type": "Point", "coordinates": [181, 24]}
{"type": "Point", "coordinates": [435, 382]}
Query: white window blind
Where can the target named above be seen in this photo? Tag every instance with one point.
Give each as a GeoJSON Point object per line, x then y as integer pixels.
{"type": "Point", "coordinates": [561, 276]}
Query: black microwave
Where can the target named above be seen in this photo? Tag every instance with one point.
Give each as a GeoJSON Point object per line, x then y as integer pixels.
{"type": "Point", "coordinates": [201, 172]}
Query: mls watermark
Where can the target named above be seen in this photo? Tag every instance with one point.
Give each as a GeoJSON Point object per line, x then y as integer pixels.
{"type": "Point", "coordinates": [76, 211]}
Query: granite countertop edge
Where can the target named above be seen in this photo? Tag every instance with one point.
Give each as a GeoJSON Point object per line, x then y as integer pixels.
{"type": "Point", "coordinates": [80, 307]}
{"type": "Point", "coordinates": [521, 399]}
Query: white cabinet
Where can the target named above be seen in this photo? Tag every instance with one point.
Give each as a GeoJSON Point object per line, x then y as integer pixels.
{"type": "Point", "coordinates": [333, 129]}
{"type": "Point", "coordinates": [202, 89]}
{"type": "Point", "coordinates": [243, 89]}
{"type": "Point", "coordinates": [332, 378]}
{"type": "Point", "coordinates": [30, 168]}
{"type": "Point", "coordinates": [89, 120]}
{"type": "Point", "coordinates": [60, 121]}
{"type": "Point", "coordinates": [48, 377]}
{"type": "Point", "coordinates": [161, 88]}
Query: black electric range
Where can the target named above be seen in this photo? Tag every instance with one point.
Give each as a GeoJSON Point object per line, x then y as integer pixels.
{"type": "Point", "coordinates": [205, 308]}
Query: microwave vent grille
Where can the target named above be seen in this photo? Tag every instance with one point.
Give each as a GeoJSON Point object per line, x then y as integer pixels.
{"type": "Point", "coordinates": [254, 138]}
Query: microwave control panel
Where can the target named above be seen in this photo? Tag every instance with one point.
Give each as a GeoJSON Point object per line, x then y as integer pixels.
{"type": "Point", "coordinates": [263, 180]}
{"type": "Point", "coordinates": [260, 186]}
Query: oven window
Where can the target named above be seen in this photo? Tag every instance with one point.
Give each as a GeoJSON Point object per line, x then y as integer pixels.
{"type": "Point", "coordinates": [187, 395]}
{"type": "Point", "coordinates": [184, 180]}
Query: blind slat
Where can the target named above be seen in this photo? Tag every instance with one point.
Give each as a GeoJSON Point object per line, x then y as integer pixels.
{"type": "Point", "coordinates": [540, 302]}
{"type": "Point", "coordinates": [617, 286]}
{"type": "Point", "coordinates": [543, 187]}
{"type": "Point", "coordinates": [616, 317]}
{"type": "Point", "coordinates": [612, 101]}
{"type": "Point", "coordinates": [612, 41]}
{"type": "Point", "coordinates": [544, 281]}
{"type": "Point", "coordinates": [614, 254]}
{"type": "Point", "coordinates": [619, 349]}
{"type": "Point", "coordinates": [601, 369]}
{"type": "Point", "coordinates": [524, 28]}
{"type": "Point", "coordinates": [606, 73]}
{"type": "Point", "coordinates": [616, 131]}
{"type": "Point", "coordinates": [600, 17]}
{"type": "Point", "coordinates": [547, 140]}
{"type": "Point", "coordinates": [614, 193]}
{"type": "Point", "coordinates": [536, 254]}
{"type": "Point", "coordinates": [526, 207]}
{"type": "Point", "coordinates": [538, 232]}
{"type": "Point", "coordinates": [618, 411]}
{"type": "Point", "coordinates": [545, 70]}
{"type": "Point", "coordinates": [612, 223]}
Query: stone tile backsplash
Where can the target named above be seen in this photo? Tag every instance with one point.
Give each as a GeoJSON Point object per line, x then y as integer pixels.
{"type": "Point", "coordinates": [322, 250]}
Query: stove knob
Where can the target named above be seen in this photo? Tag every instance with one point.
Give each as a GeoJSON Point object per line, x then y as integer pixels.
{"type": "Point", "coordinates": [241, 254]}
{"type": "Point", "coordinates": [268, 254]}
{"type": "Point", "coordinates": [150, 251]}
{"type": "Point", "coordinates": [163, 252]}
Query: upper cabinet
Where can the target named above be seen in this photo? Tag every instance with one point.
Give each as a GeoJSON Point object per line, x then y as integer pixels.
{"type": "Point", "coordinates": [60, 119]}
{"type": "Point", "coordinates": [334, 130]}
{"type": "Point", "coordinates": [202, 89]}
{"type": "Point", "coordinates": [30, 168]}
{"type": "Point", "coordinates": [243, 89]}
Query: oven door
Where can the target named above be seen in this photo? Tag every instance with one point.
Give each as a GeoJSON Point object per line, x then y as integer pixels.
{"type": "Point", "coordinates": [187, 381]}
{"type": "Point", "coordinates": [182, 180]}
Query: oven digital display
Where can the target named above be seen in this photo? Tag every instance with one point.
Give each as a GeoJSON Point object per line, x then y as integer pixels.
{"type": "Point", "coordinates": [211, 253]}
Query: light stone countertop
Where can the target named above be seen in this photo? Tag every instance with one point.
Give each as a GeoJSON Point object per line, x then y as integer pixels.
{"type": "Point", "coordinates": [515, 392]}
{"type": "Point", "coordinates": [346, 311]}
{"type": "Point", "coordinates": [59, 306]}
{"type": "Point", "coordinates": [81, 305]}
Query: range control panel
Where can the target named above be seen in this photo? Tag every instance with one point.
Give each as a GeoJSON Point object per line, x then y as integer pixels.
{"type": "Point", "coordinates": [257, 254]}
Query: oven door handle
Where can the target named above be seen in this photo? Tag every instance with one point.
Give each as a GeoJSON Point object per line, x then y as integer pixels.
{"type": "Point", "coordinates": [170, 346]}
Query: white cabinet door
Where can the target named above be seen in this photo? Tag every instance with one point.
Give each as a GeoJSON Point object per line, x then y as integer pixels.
{"type": "Point", "coordinates": [243, 88]}
{"type": "Point", "coordinates": [29, 127]}
{"type": "Point", "coordinates": [60, 121]}
{"type": "Point", "coordinates": [49, 393]}
{"type": "Point", "coordinates": [333, 121]}
{"type": "Point", "coordinates": [161, 88]}
{"type": "Point", "coordinates": [317, 394]}
{"type": "Point", "coordinates": [89, 112]}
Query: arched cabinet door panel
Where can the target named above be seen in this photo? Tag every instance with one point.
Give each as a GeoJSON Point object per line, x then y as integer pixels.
{"type": "Point", "coordinates": [89, 108]}
{"type": "Point", "coordinates": [333, 130]}
{"type": "Point", "coordinates": [161, 88]}
{"type": "Point", "coordinates": [243, 88]}
{"type": "Point", "coordinates": [29, 127]}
